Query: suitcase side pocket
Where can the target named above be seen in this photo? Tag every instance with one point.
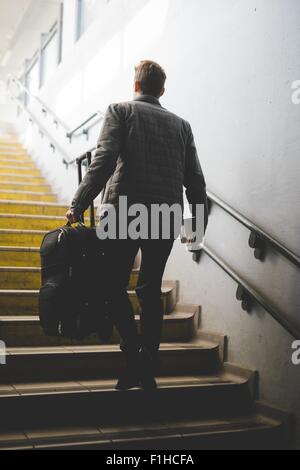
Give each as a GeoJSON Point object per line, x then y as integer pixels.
{"type": "Point", "coordinates": [51, 304]}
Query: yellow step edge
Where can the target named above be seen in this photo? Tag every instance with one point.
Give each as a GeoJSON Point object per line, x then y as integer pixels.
{"type": "Point", "coordinates": [10, 139]}
{"type": "Point", "coordinates": [15, 170]}
{"type": "Point", "coordinates": [21, 238]}
{"type": "Point", "coordinates": [16, 159]}
{"type": "Point", "coordinates": [32, 208]}
{"type": "Point", "coordinates": [6, 178]}
{"type": "Point", "coordinates": [31, 222]}
{"type": "Point", "coordinates": [17, 165]}
{"type": "Point", "coordinates": [11, 152]}
{"type": "Point", "coordinates": [18, 195]}
{"type": "Point", "coordinates": [30, 166]}
{"type": "Point", "coordinates": [25, 301]}
{"type": "Point", "coordinates": [19, 256]}
{"type": "Point", "coordinates": [20, 277]}
{"type": "Point", "coordinates": [13, 149]}
{"type": "Point", "coordinates": [19, 248]}
{"type": "Point", "coordinates": [28, 187]}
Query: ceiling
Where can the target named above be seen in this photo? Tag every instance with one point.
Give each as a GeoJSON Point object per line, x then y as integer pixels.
{"type": "Point", "coordinates": [21, 24]}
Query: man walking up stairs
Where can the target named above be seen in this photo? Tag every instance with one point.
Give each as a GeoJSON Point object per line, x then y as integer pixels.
{"type": "Point", "coordinates": [55, 394]}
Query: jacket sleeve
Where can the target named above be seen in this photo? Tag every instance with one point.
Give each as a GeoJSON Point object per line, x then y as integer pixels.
{"type": "Point", "coordinates": [104, 162]}
{"type": "Point", "coordinates": [194, 180]}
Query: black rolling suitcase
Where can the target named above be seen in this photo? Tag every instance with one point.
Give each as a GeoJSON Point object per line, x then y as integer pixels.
{"type": "Point", "coordinates": [72, 297]}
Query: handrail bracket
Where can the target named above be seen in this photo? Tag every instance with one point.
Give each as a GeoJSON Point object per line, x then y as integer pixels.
{"type": "Point", "coordinates": [243, 296]}
{"type": "Point", "coordinates": [258, 245]}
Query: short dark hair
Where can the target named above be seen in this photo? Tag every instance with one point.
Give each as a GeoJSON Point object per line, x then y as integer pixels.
{"type": "Point", "coordinates": [151, 77]}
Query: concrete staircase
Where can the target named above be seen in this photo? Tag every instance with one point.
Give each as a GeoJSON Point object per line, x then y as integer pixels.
{"type": "Point", "coordinates": [58, 394]}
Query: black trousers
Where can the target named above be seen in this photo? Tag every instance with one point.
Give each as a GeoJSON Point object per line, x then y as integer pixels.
{"type": "Point", "coordinates": [121, 255]}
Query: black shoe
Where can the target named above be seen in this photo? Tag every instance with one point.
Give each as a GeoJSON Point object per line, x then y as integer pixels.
{"type": "Point", "coordinates": [130, 376]}
{"type": "Point", "coordinates": [148, 382]}
{"type": "Point", "coordinates": [147, 378]}
{"type": "Point", "coordinates": [127, 381]}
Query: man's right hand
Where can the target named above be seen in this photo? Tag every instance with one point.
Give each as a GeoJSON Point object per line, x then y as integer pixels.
{"type": "Point", "coordinates": [72, 217]}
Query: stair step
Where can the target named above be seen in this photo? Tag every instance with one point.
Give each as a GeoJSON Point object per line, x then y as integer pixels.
{"type": "Point", "coordinates": [23, 331]}
{"type": "Point", "coordinates": [9, 139]}
{"type": "Point", "coordinates": [19, 256]}
{"type": "Point", "coordinates": [19, 170]}
{"type": "Point", "coordinates": [248, 432]}
{"type": "Point", "coordinates": [5, 178]}
{"type": "Point", "coordinates": [16, 153]}
{"type": "Point", "coordinates": [20, 278]}
{"type": "Point", "coordinates": [13, 162]}
{"type": "Point", "coordinates": [10, 144]}
{"type": "Point", "coordinates": [12, 150]}
{"type": "Point", "coordinates": [29, 221]}
{"type": "Point", "coordinates": [19, 186]}
{"type": "Point", "coordinates": [95, 401]}
{"type": "Point", "coordinates": [75, 362]}
{"type": "Point", "coordinates": [25, 302]}
{"type": "Point", "coordinates": [30, 277]}
{"type": "Point", "coordinates": [18, 195]}
{"type": "Point", "coordinates": [32, 208]}
{"type": "Point", "coordinates": [21, 238]}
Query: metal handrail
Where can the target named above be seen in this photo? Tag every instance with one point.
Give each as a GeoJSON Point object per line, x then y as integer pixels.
{"type": "Point", "coordinates": [254, 229]}
{"type": "Point", "coordinates": [44, 107]}
{"type": "Point", "coordinates": [88, 157]}
{"type": "Point", "coordinates": [83, 124]}
{"type": "Point", "coordinates": [247, 293]}
{"type": "Point", "coordinates": [52, 141]}
{"type": "Point", "coordinates": [82, 157]}
{"type": "Point", "coordinates": [56, 120]}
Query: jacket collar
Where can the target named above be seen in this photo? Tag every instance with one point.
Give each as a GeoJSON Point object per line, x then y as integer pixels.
{"type": "Point", "coordinates": [148, 99]}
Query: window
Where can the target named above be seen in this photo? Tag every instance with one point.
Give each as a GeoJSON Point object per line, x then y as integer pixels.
{"type": "Point", "coordinates": [32, 79]}
{"type": "Point", "coordinates": [42, 65]}
{"type": "Point", "coordinates": [87, 11]}
{"type": "Point", "coordinates": [50, 56]}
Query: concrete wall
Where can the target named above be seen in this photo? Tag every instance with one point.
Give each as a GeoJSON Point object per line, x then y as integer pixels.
{"type": "Point", "coordinates": [231, 66]}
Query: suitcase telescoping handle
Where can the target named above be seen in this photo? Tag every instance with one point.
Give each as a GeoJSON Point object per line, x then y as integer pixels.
{"type": "Point", "coordinates": [86, 157]}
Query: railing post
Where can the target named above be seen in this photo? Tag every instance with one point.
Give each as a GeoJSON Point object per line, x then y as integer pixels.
{"type": "Point", "coordinates": [209, 205]}
{"type": "Point", "coordinates": [86, 133]}
{"type": "Point", "coordinates": [27, 62]}
{"type": "Point", "coordinates": [79, 172]}
{"type": "Point", "coordinates": [41, 59]}
{"type": "Point", "coordinates": [92, 208]}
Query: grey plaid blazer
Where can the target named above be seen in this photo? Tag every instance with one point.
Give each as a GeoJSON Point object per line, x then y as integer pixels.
{"type": "Point", "coordinates": [146, 153]}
